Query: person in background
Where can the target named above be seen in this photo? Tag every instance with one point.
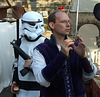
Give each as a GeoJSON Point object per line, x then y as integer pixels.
{"type": "Point", "coordinates": [60, 64]}
{"type": "Point", "coordinates": [31, 35]}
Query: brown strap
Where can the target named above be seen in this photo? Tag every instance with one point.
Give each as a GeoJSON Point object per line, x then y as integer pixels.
{"type": "Point", "coordinates": [8, 3]}
{"type": "Point", "coordinates": [3, 11]}
{"type": "Point", "coordinates": [17, 11]}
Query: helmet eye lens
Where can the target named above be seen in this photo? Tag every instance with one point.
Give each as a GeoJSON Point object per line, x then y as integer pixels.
{"type": "Point", "coordinates": [31, 23]}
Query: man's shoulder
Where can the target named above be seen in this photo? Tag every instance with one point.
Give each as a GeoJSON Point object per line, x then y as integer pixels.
{"type": "Point", "coordinates": [43, 44]}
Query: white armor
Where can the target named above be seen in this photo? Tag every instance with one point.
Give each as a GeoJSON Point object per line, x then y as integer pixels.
{"type": "Point", "coordinates": [32, 28]}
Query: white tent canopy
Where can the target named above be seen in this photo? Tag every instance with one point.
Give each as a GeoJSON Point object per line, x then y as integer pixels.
{"type": "Point", "coordinates": [7, 34]}
{"type": "Point", "coordinates": [84, 5]}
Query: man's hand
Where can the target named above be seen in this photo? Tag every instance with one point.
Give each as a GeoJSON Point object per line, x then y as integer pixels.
{"type": "Point", "coordinates": [14, 88]}
{"type": "Point", "coordinates": [65, 46]}
{"type": "Point", "coordinates": [28, 62]}
{"type": "Point", "coordinates": [80, 49]}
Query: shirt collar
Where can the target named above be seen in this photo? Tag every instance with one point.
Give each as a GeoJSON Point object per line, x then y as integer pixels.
{"type": "Point", "coordinates": [52, 39]}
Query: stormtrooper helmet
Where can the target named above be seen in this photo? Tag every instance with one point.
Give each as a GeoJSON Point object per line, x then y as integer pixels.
{"type": "Point", "coordinates": [32, 25]}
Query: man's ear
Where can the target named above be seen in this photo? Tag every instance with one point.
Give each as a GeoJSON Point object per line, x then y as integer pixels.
{"type": "Point", "coordinates": [51, 24]}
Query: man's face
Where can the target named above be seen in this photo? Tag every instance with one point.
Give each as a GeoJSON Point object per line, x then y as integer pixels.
{"type": "Point", "coordinates": [62, 23]}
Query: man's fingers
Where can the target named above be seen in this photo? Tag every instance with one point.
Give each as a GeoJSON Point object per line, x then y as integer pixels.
{"type": "Point", "coordinates": [80, 39]}
{"type": "Point", "coordinates": [70, 43]}
{"type": "Point", "coordinates": [83, 44]}
{"type": "Point", "coordinates": [70, 48]}
{"type": "Point", "coordinates": [28, 63]}
{"type": "Point", "coordinates": [67, 42]}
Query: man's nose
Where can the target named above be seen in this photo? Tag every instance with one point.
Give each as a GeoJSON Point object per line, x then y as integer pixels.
{"type": "Point", "coordinates": [68, 24]}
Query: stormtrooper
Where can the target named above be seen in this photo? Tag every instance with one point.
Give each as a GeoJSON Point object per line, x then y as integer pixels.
{"type": "Point", "coordinates": [31, 35]}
